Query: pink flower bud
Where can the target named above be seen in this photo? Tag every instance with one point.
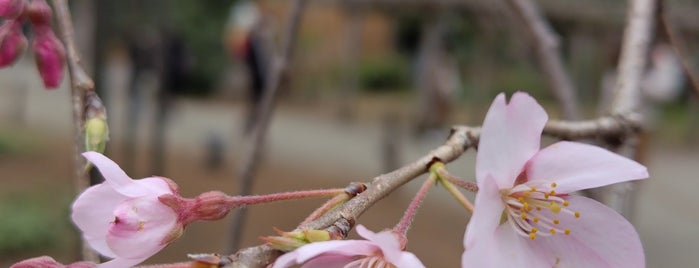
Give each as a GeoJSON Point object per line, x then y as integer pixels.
{"type": "Point", "coordinates": [40, 13]}
{"type": "Point", "coordinates": [11, 8]}
{"type": "Point", "coordinates": [12, 42]}
{"type": "Point", "coordinates": [50, 57]}
{"type": "Point", "coordinates": [122, 218]}
{"type": "Point", "coordinates": [48, 262]}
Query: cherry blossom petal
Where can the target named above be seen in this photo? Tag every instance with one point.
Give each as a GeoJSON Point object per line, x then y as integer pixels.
{"type": "Point", "coordinates": [94, 209]}
{"type": "Point", "coordinates": [510, 136]}
{"type": "Point", "coordinates": [121, 182]}
{"type": "Point", "coordinates": [156, 185]}
{"type": "Point", "coordinates": [599, 238]}
{"type": "Point", "coordinates": [93, 212]}
{"type": "Point", "coordinates": [506, 248]}
{"type": "Point", "coordinates": [387, 241]}
{"type": "Point", "coordinates": [329, 261]}
{"type": "Point", "coordinates": [576, 166]}
{"type": "Point", "coordinates": [391, 247]}
{"type": "Point", "coordinates": [488, 208]}
{"type": "Point", "coordinates": [335, 247]}
{"type": "Point", "coordinates": [146, 222]}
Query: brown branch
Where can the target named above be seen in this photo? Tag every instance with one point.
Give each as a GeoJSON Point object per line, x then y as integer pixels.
{"type": "Point", "coordinates": [80, 84]}
{"type": "Point", "coordinates": [634, 56]}
{"type": "Point", "coordinates": [680, 47]}
{"type": "Point", "coordinates": [547, 46]}
{"type": "Point", "coordinates": [460, 140]}
{"type": "Point", "coordinates": [616, 126]}
{"type": "Point", "coordinates": [276, 79]}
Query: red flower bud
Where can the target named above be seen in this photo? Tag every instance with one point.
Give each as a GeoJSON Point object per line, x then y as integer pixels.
{"type": "Point", "coordinates": [48, 262]}
{"type": "Point", "coordinates": [11, 8]}
{"type": "Point", "coordinates": [40, 13]}
{"type": "Point", "coordinates": [12, 42]}
{"type": "Point", "coordinates": [50, 57]}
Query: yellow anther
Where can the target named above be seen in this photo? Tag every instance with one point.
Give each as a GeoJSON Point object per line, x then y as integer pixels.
{"type": "Point", "coordinates": [577, 214]}
{"type": "Point", "coordinates": [532, 236]}
{"type": "Point", "coordinates": [553, 192]}
{"type": "Point", "coordinates": [538, 208]}
{"type": "Point", "coordinates": [534, 230]}
{"type": "Point", "coordinates": [536, 220]}
{"type": "Point", "coordinates": [567, 231]}
{"type": "Point", "coordinates": [565, 203]}
{"type": "Point", "coordinates": [553, 185]}
{"type": "Point", "coordinates": [546, 195]}
{"type": "Point", "coordinates": [533, 189]}
{"type": "Point", "coordinates": [552, 231]}
{"type": "Point", "coordinates": [555, 208]}
{"type": "Point", "coordinates": [524, 216]}
{"type": "Point", "coordinates": [527, 194]}
{"type": "Point", "coordinates": [520, 199]}
{"type": "Point", "coordinates": [556, 221]}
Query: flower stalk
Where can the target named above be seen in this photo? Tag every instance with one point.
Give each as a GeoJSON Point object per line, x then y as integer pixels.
{"type": "Point", "coordinates": [450, 182]}
{"type": "Point", "coordinates": [404, 224]}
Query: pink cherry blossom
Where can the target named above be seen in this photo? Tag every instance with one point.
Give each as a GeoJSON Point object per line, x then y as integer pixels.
{"type": "Point", "coordinates": [12, 42]}
{"type": "Point", "coordinates": [122, 218]}
{"type": "Point", "coordinates": [524, 215]}
{"type": "Point", "coordinates": [11, 8]}
{"type": "Point", "coordinates": [383, 249]}
{"type": "Point", "coordinates": [49, 54]}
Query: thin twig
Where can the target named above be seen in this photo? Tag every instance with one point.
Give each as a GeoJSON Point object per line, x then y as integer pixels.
{"type": "Point", "coordinates": [546, 43]}
{"type": "Point", "coordinates": [265, 110]}
{"type": "Point", "coordinates": [80, 84]}
{"type": "Point", "coordinates": [680, 47]}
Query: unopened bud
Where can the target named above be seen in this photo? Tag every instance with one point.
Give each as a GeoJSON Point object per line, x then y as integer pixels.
{"type": "Point", "coordinates": [11, 8]}
{"type": "Point", "coordinates": [283, 243]}
{"type": "Point", "coordinates": [211, 206]}
{"type": "Point", "coordinates": [96, 128]}
{"type": "Point", "coordinates": [40, 13]}
{"type": "Point", "coordinates": [316, 235]}
{"type": "Point", "coordinates": [50, 57]}
{"type": "Point", "coordinates": [12, 42]}
{"type": "Point", "coordinates": [288, 241]}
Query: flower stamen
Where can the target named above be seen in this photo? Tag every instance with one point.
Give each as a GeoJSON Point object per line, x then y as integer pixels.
{"type": "Point", "coordinates": [524, 205]}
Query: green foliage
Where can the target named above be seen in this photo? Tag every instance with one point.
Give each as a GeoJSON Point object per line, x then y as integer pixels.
{"type": "Point", "coordinates": [202, 25]}
{"type": "Point", "coordinates": [28, 225]}
{"type": "Point", "coordinates": [384, 74]}
{"type": "Point", "coordinates": [14, 143]}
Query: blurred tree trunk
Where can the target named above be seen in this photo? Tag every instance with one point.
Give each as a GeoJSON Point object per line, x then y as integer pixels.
{"type": "Point", "coordinates": [353, 45]}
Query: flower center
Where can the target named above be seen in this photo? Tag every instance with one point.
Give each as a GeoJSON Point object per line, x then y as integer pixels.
{"type": "Point", "coordinates": [537, 210]}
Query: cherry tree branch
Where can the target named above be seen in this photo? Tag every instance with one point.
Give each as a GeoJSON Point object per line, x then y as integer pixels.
{"type": "Point", "coordinates": [634, 55]}
{"type": "Point", "coordinates": [277, 75]}
{"type": "Point", "coordinates": [461, 138]}
{"type": "Point", "coordinates": [638, 36]}
{"type": "Point", "coordinates": [547, 48]}
{"type": "Point", "coordinates": [81, 84]}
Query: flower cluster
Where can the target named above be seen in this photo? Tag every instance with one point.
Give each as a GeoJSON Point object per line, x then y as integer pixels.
{"type": "Point", "coordinates": [49, 52]}
{"type": "Point", "coordinates": [525, 214]}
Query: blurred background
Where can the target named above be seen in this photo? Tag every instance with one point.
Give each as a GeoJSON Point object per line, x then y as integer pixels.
{"type": "Point", "coordinates": [372, 86]}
